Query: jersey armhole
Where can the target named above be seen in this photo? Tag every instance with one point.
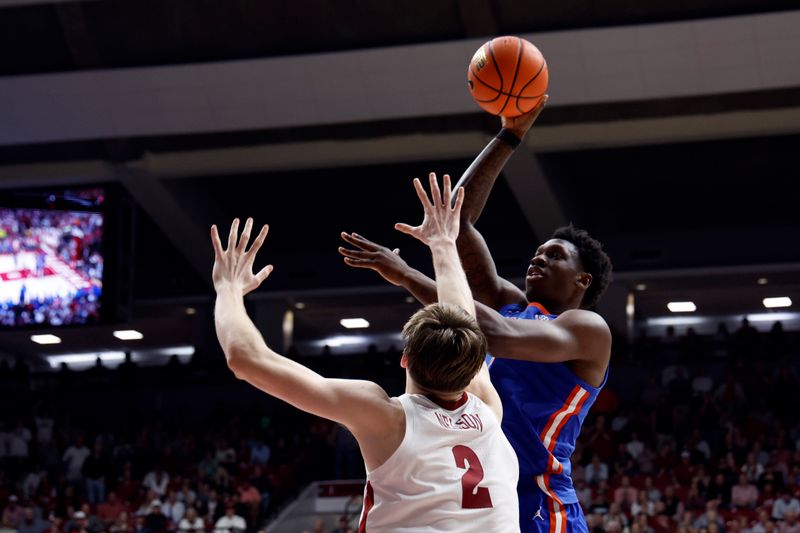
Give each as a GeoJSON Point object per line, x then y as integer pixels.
{"type": "Point", "coordinates": [409, 428]}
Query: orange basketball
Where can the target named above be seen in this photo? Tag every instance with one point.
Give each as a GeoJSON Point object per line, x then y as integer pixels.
{"type": "Point", "coordinates": [507, 76]}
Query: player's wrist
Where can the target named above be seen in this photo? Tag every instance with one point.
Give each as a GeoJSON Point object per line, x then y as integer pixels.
{"type": "Point", "coordinates": [509, 137]}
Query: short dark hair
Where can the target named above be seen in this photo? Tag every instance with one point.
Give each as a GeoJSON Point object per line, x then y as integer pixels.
{"type": "Point", "coordinates": [444, 347]}
{"type": "Point", "coordinates": [594, 260]}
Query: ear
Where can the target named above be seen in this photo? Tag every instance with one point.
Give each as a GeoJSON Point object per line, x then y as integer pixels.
{"type": "Point", "coordinates": [584, 279]}
{"type": "Point", "coordinates": [404, 361]}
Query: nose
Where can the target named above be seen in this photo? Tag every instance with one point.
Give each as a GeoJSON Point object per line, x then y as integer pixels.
{"type": "Point", "coordinates": [539, 260]}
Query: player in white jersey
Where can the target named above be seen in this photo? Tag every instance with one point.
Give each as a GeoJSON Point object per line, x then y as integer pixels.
{"type": "Point", "coordinates": [413, 490]}
{"type": "Point", "coordinates": [436, 458]}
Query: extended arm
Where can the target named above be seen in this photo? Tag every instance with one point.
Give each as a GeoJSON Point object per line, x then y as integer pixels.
{"type": "Point", "coordinates": [478, 181]}
{"type": "Point", "coordinates": [439, 230]}
{"type": "Point", "coordinates": [576, 335]}
{"type": "Point", "coordinates": [362, 406]}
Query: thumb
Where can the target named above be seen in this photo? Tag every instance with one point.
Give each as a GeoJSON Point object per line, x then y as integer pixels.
{"type": "Point", "coordinates": [405, 228]}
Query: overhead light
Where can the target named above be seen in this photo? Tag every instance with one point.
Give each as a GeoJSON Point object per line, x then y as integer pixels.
{"type": "Point", "coordinates": [780, 301]}
{"type": "Point", "coordinates": [46, 339]}
{"type": "Point", "coordinates": [299, 305]}
{"type": "Point", "coordinates": [682, 307]}
{"type": "Point", "coordinates": [762, 281]}
{"type": "Point", "coordinates": [191, 310]}
{"type": "Point", "coordinates": [353, 323]}
{"type": "Point", "coordinates": [641, 286]}
{"type": "Point", "coordinates": [128, 335]}
{"type": "Point", "coordinates": [410, 299]}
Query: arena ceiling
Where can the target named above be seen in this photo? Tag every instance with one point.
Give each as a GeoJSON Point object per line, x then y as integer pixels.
{"type": "Point", "coordinates": [692, 185]}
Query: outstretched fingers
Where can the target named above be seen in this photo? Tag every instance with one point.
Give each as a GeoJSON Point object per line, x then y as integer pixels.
{"type": "Point", "coordinates": [358, 241]}
{"type": "Point", "coordinates": [459, 201]}
{"type": "Point", "coordinates": [436, 194]}
{"type": "Point", "coordinates": [216, 243]}
{"type": "Point", "coordinates": [447, 194]}
{"type": "Point", "coordinates": [245, 237]}
{"type": "Point", "coordinates": [232, 235]}
{"type": "Point", "coordinates": [262, 235]}
{"type": "Point", "coordinates": [422, 195]}
{"type": "Point", "coordinates": [263, 274]}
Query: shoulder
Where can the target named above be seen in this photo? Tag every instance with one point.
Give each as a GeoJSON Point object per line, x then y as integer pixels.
{"type": "Point", "coordinates": [584, 322]}
{"type": "Point", "coordinates": [590, 331]}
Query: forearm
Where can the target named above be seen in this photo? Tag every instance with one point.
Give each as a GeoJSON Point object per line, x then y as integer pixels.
{"type": "Point", "coordinates": [238, 336]}
{"type": "Point", "coordinates": [480, 177]}
{"type": "Point", "coordinates": [451, 282]}
{"type": "Point", "coordinates": [420, 286]}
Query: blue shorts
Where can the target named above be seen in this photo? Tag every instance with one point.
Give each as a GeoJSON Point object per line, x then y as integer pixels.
{"type": "Point", "coordinates": [541, 514]}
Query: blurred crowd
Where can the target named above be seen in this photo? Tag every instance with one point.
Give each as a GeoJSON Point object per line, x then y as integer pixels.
{"type": "Point", "coordinates": [695, 434]}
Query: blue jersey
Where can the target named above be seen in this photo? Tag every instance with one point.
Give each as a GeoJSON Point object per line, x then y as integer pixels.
{"type": "Point", "coordinates": [544, 405]}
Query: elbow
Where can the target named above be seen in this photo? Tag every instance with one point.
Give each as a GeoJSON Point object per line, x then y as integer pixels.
{"type": "Point", "coordinates": [237, 361]}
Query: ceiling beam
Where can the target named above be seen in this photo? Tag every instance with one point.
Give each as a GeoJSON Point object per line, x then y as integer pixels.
{"type": "Point", "coordinates": [477, 17]}
{"type": "Point", "coordinates": [169, 215]}
{"type": "Point", "coordinates": [409, 148]}
{"type": "Point", "coordinates": [537, 200]}
{"type": "Point", "coordinates": [18, 3]}
{"type": "Point", "coordinates": [588, 66]}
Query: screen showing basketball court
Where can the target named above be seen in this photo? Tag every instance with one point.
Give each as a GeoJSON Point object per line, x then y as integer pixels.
{"type": "Point", "coordinates": [51, 267]}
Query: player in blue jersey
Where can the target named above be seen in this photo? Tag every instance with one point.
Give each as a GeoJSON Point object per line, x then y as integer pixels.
{"type": "Point", "coordinates": [549, 352]}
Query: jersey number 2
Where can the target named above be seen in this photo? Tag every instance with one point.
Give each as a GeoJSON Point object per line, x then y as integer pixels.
{"type": "Point", "coordinates": [472, 496]}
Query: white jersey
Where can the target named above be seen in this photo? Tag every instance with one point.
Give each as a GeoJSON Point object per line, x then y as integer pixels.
{"type": "Point", "coordinates": [454, 471]}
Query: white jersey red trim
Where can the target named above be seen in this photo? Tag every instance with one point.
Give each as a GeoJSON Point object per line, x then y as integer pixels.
{"type": "Point", "coordinates": [454, 471]}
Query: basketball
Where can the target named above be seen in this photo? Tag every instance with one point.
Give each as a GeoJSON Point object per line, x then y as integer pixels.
{"type": "Point", "coordinates": [507, 76]}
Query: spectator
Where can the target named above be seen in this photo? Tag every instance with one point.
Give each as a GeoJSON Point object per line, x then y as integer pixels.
{"type": "Point", "coordinates": [250, 499]}
{"type": "Point", "coordinates": [786, 504]}
{"type": "Point", "coordinates": [73, 458]}
{"type": "Point", "coordinates": [626, 495]}
{"type": "Point", "coordinates": [259, 452]}
{"type": "Point", "coordinates": [744, 495]}
{"type": "Point", "coordinates": [173, 508]}
{"type": "Point", "coordinates": [343, 526]}
{"type": "Point", "coordinates": [78, 524]}
{"type": "Point", "coordinates": [230, 522]}
{"type": "Point", "coordinates": [710, 518]}
{"type": "Point", "coordinates": [12, 514]}
{"type": "Point", "coordinates": [156, 480]}
{"type": "Point", "coordinates": [122, 523]}
{"type": "Point", "coordinates": [790, 524]}
{"type": "Point", "coordinates": [191, 522]}
{"type": "Point", "coordinates": [94, 471]}
{"type": "Point", "coordinates": [634, 447]}
{"type": "Point", "coordinates": [643, 505]}
{"type": "Point", "coordinates": [596, 471]}
{"type": "Point", "coordinates": [30, 485]}
{"type": "Point", "coordinates": [186, 494]}
{"type": "Point", "coordinates": [719, 491]}
{"type": "Point", "coordinates": [31, 523]}
{"type": "Point", "coordinates": [156, 521]}
{"type": "Point", "coordinates": [584, 494]}
{"type": "Point", "coordinates": [109, 510]}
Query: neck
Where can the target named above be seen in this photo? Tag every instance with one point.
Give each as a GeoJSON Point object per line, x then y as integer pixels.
{"type": "Point", "coordinates": [414, 388]}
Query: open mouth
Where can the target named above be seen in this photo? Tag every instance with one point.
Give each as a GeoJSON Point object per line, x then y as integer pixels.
{"type": "Point", "coordinates": [535, 272]}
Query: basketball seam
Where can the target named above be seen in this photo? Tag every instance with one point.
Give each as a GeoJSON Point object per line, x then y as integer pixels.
{"type": "Point", "coordinates": [514, 79]}
{"type": "Point", "coordinates": [495, 89]}
{"type": "Point", "coordinates": [541, 69]}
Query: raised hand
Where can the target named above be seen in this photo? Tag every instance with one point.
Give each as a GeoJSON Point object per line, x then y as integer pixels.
{"type": "Point", "coordinates": [368, 254]}
{"type": "Point", "coordinates": [233, 266]}
{"type": "Point", "coordinates": [521, 124]}
{"type": "Point", "coordinates": [441, 220]}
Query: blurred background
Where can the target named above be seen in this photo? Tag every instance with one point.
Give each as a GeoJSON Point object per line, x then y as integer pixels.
{"type": "Point", "coordinates": [128, 128]}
